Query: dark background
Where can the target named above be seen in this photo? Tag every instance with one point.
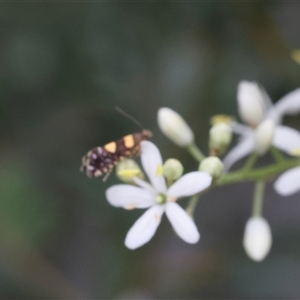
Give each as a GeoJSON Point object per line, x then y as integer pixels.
{"type": "Point", "coordinates": [64, 66]}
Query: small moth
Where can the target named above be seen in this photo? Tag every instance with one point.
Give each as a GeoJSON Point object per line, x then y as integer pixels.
{"type": "Point", "coordinates": [102, 160]}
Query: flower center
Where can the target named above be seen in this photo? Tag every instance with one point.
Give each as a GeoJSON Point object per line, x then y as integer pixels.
{"type": "Point", "coordinates": [161, 199]}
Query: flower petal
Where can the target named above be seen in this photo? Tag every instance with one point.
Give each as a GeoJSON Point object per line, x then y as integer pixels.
{"type": "Point", "coordinates": [152, 163]}
{"type": "Point", "coordinates": [287, 105]}
{"type": "Point", "coordinates": [286, 139]}
{"type": "Point", "coordinates": [288, 183]}
{"type": "Point", "coordinates": [129, 197]}
{"type": "Point", "coordinates": [145, 185]}
{"type": "Point", "coordinates": [182, 223]}
{"type": "Point", "coordinates": [190, 184]}
{"type": "Point", "coordinates": [239, 128]}
{"type": "Point", "coordinates": [243, 148]}
{"type": "Point", "coordinates": [144, 228]}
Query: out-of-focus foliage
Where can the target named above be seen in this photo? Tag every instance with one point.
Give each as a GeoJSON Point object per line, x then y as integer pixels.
{"type": "Point", "coordinates": [63, 68]}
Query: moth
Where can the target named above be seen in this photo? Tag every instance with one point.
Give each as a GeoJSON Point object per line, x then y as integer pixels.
{"type": "Point", "coordinates": [102, 160]}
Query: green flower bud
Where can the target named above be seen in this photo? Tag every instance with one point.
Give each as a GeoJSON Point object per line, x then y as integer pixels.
{"type": "Point", "coordinates": [219, 138]}
{"type": "Point", "coordinates": [213, 166]}
{"type": "Point", "coordinates": [172, 169]}
{"type": "Point", "coordinates": [127, 169]}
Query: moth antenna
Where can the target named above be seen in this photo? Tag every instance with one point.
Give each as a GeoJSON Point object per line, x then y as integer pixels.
{"type": "Point", "coordinates": [128, 116]}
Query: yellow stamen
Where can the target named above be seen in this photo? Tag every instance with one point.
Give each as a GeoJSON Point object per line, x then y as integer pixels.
{"type": "Point", "coordinates": [157, 218]}
{"type": "Point", "coordinates": [221, 119]}
{"type": "Point", "coordinates": [159, 170]}
{"type": "Point", "coordinates": [128, 173]}
{"type": "Point", "coordinates": [172, 199]}
{"type": "Point", "coordinates": [130, 206]}
{"type": "Point", "coordinates": [295, 152]}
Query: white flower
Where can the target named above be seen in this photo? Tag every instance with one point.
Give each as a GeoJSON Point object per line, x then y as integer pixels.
{"type": "Point", "coordinates": [158, 199]}
{"type": "Point", "coordinates": [257, 238]}
{"type": "Point", "coordinates": [288, 183]}
{"type": "Point", "coordinates": [174, 127]}
{"type": "Point", "coordinates": [263, 119]}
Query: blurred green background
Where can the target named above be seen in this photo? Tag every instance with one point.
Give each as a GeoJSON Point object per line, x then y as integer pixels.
{"type": "Point", "coordinates": [64, 66]}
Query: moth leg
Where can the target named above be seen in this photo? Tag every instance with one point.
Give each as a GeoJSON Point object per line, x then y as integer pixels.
{"type": "Point", "coordinates": [106, 175]}
{"type": "Point", "coordinates": [136, 151]}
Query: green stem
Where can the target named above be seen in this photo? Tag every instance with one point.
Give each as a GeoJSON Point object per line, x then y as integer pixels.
{"type": "Point", "coordinates": [169, 182]}
{"type": "Point", "coordinates": [258, 198]}
{"type": "Point", "coordinates": [277, 155]}
{"type": "Point", "coordinates": [250, 162]}
{"type": "Point", "coordinates": [192, 205]}
{"type": "Point", "coordinates": [195, 152]}
{"type": "Point", "coordinates": [263, 173]}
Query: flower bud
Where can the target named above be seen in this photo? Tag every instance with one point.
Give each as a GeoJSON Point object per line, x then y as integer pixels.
{"type": "Point", "coordinates": [250, 103]}
{"type": "Point", "coordinates": [216, 119]}
{"type": "Point", "coordinates": [127, 169]}
{"type": "Point", "coordinates": [172, 169]}
{"type": "Point", "coordinates": [264, 134]}
{"type": "Point", "coordinates": [174, 127]}
{"type": "Point", "coordinates": [257, 238]}
{"type": "Point", "coordinates": [213, 166]}
{"type": "Point", "coordinates": [219, 138]}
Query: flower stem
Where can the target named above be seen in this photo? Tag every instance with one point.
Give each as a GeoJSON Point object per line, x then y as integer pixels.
{"type": "Point", "coordinates": [169, 182]}
{"type": "Point", "coordinates": [263, 173]}
{"type": "Point", "coordinates": [192, 205]}
{"type": "Point", "coordinates": [258, 198]}
{"type": "Point", "coordinates": [250, 162]}
{"type": "Point", "coordinates": [195, 152]}
{"type": "Point", "coordinates": [277, 155]}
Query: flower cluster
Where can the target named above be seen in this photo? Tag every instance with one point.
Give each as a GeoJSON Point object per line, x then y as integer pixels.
{"type": "Point", "coordinates": [262, 120]}
{"type": "Point", "coordinates": [158, 199]}
{"type": "Point", "coordinates": [261, 132]}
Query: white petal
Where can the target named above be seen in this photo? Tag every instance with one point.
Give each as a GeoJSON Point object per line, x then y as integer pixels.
{"type": "Point", "coordinates": [129, 196]}
{"type": "Point", "coordinates": [240, 128]}
{"type": "Point", "coordinates": [286, 139]}
{"type": "Point", "coordinates": [257, 238]}
{"type": "Point", "coordinates": [152, 164]}
{"type": "Point", "coordinates": [266, 98]}
{"type": "Point", "coordinates": [288, 105]}
{"type": "Point", "coordinates": [144, 228]}
{"type": "Point", "coordinates": [288, 183]}
{"type": "Point", "coordinates": [250, 103]}
{"type": "Point", "coordinates": [243, 148]}
{"type": "Point", "coordinates": [264, 134]}
{"type": "Point", "coordinates": [182, 223]}
{"type": "Point", "coordinates": [145, 185]}
{"type": "Point", "coordinates": [174, 127]}
{"type": "Point", "coordinates": [190, 184]}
